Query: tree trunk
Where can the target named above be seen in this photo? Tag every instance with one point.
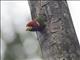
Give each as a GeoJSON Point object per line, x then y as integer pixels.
{"type": "Point", "coordinates": [58, 41]}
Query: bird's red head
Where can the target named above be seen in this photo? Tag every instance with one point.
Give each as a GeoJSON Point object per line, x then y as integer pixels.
{"type": "Point", "coordinates": [32, 24]}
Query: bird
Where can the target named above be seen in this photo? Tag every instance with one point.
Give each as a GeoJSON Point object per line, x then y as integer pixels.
{"type": "Point", "coordinates": [37, 24]}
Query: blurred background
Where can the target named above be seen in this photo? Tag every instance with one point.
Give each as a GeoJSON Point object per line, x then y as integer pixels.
{"type": "Point", "coordinates": [16, 42]}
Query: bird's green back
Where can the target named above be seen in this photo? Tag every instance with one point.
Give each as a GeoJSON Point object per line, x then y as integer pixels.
{"type": "Point", "coordinates": [41, 20]}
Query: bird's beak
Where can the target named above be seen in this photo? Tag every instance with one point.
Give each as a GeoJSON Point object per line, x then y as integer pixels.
{"type": "Point", "coordinates": [28, 28]}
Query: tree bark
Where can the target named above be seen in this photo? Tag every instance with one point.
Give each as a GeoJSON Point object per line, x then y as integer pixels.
{"type": "Point", "coordinates": [58, 41]}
